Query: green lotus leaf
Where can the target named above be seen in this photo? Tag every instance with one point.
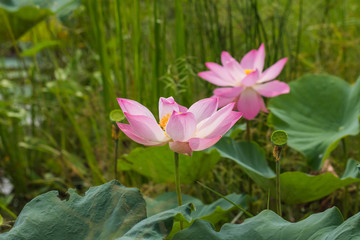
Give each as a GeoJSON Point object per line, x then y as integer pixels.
{"type": "Point", "coordinates": [22, 15]}
{"type": "Point", "coordinates": [267, 225]}
{"type": "Point", "coordinates": [159, 226]}
{"type": "Point", "coordinates": [296, 187]}
{"type": "Point", "coordinates": [318, 112]}
{"type": "Point", "coordinates": [109, 211]}
{"type": "Point", "coordinates": [157, 163]}
{"type": "Point", "coordinates": [105, 212]}
{"type": "Point", "coordinates": [213, 213]}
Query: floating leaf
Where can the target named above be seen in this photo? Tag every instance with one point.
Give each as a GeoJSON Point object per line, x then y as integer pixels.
{"type": "Point", "coordinates": [157, 163]}
{"type": "Point", "coordinates": [268, 225]}
{"type": "Point", "coordinates": [319, 111]}
{"type": "Point", "coordinates": [296, 187]}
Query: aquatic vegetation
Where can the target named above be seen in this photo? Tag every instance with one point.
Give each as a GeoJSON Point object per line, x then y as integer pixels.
{"type": "Point", "coordinates": [267, 146]}
{"type": "Point", "coordinates": [247, 80]}
{"type": "Point", "coordinates": [186, 130]}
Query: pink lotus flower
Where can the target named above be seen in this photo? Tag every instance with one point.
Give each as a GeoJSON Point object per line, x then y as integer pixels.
{"type": "Point", "coordinates": [246, 80]}
{"type": "Point", "coordinates": [186, 130]}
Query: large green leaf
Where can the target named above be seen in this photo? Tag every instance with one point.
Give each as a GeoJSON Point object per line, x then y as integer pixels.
{"type": "Point", "coordinates": [168, 201]}
{"type": "Point", "coordinates": [318, 112]}
{"type": "Point", "coordinates": [268, 225]}
{"type": "Point", "coordinates": [109, 211]}
{"type": "Point", "coordinates": [105, 212]}
{"type": "Point", "coordinates": [296, 187]}
{"type": "Point", "coordinates": [159, 226]}
{"type": "Point", "coordinates": [22, 15]}
{"type": "Point", "coordinates": [157, 163]}
{"type": "Point", "coordinates": [214, 212]}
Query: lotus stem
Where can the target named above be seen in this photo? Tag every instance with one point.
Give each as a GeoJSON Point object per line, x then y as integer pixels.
{"type": "Point", "coordinates": [115, 136]}
{"type": "Point", "coordinates": [277, 152]}
{"type": "Point", "coordinates": [278, 199]}
{"type": "Point", "coordinates": [115, 159]}
{"type": "Point", "coordinates": [177, 183]}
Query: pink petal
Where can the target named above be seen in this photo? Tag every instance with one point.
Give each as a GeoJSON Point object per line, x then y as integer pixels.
{"type": "Point", "coordinates": [180, 147]}
{"type": "Point", "coordinates": [146, 128]}
{"type": "Point", "coordinates": [134, 108]}
{"type": "Point", "coordinates": [272, 89]}
{"type": "Point", "coordinates": [226, 124]}
{"type": "Point", "coordinates": [232, 66]}
{"type": "Point", "coordinates": [126, 128]}
{"type": "Point", "coordinates": [262, 106]}
{"type": "Point", "coordinates": [167, 105]}
{"type": "Point", "coordinates": [251, 78]}
{"type": "Point", "coordinates": [181, 126]}
{"type": "Point", "coordinates": [273, 71]}
{"type": "Point", "coordinates": [247, 62]}
{"type": "Point", "coordinates": [227, 95]}
{"type": "Point", "coordinates": [204, 108]}
{"type": "Point", "coordinates": [249, 103]}
{"type": "Point", "coordinates": [226, 58]}
{"type": "Point", "coordinates": [260, 58]}
{"type": "Point", "coordinates": [199, 144]}
{"type": "Point", "coordinates": [221, 72]}
{"type": "Point", "coordinates": [218, 123]}
{"type": "Point", "coordinates": [182, 108]}
{"type": "Point", "coordinates": [214, 79]}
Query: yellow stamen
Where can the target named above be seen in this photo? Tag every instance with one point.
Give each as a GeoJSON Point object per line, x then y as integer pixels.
{"type": "Point", "coordinates": [164, 120]}
{"type": "Point", "coordinates": [248, 71]}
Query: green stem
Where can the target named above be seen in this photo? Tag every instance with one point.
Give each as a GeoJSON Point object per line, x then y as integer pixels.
{"type": "Point", "coordinates": [115, 158]}
{"type": "Point", "coordinates": [278, 199]}
{"type": "Point", "coordinates": [3, 207]}
{"type": "Point", "coordinates": [177, 184]}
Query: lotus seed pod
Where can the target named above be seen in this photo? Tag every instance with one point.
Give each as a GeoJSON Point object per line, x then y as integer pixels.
{"type": "Point", "coordinates": [117, 115]}
{"type": "Point", "coordinates": [279, 137]}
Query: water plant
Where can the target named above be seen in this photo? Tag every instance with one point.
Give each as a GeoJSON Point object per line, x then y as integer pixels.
{"type": "Point", "coordinates": [247, 81]}
{"type": "Point", "coordinates": [62, 64]}
{"type": "Point", "coordinates": [186, 130]}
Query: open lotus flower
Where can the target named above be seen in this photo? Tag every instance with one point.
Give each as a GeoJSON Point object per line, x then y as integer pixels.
{"type": "Point", "coordinates": [186, 130]}
{"type": "Point", "coordinates": [246, 80]}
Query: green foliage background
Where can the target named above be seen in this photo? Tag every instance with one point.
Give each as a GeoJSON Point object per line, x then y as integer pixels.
{"type": "Point", "coordinates": [60, 77]}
